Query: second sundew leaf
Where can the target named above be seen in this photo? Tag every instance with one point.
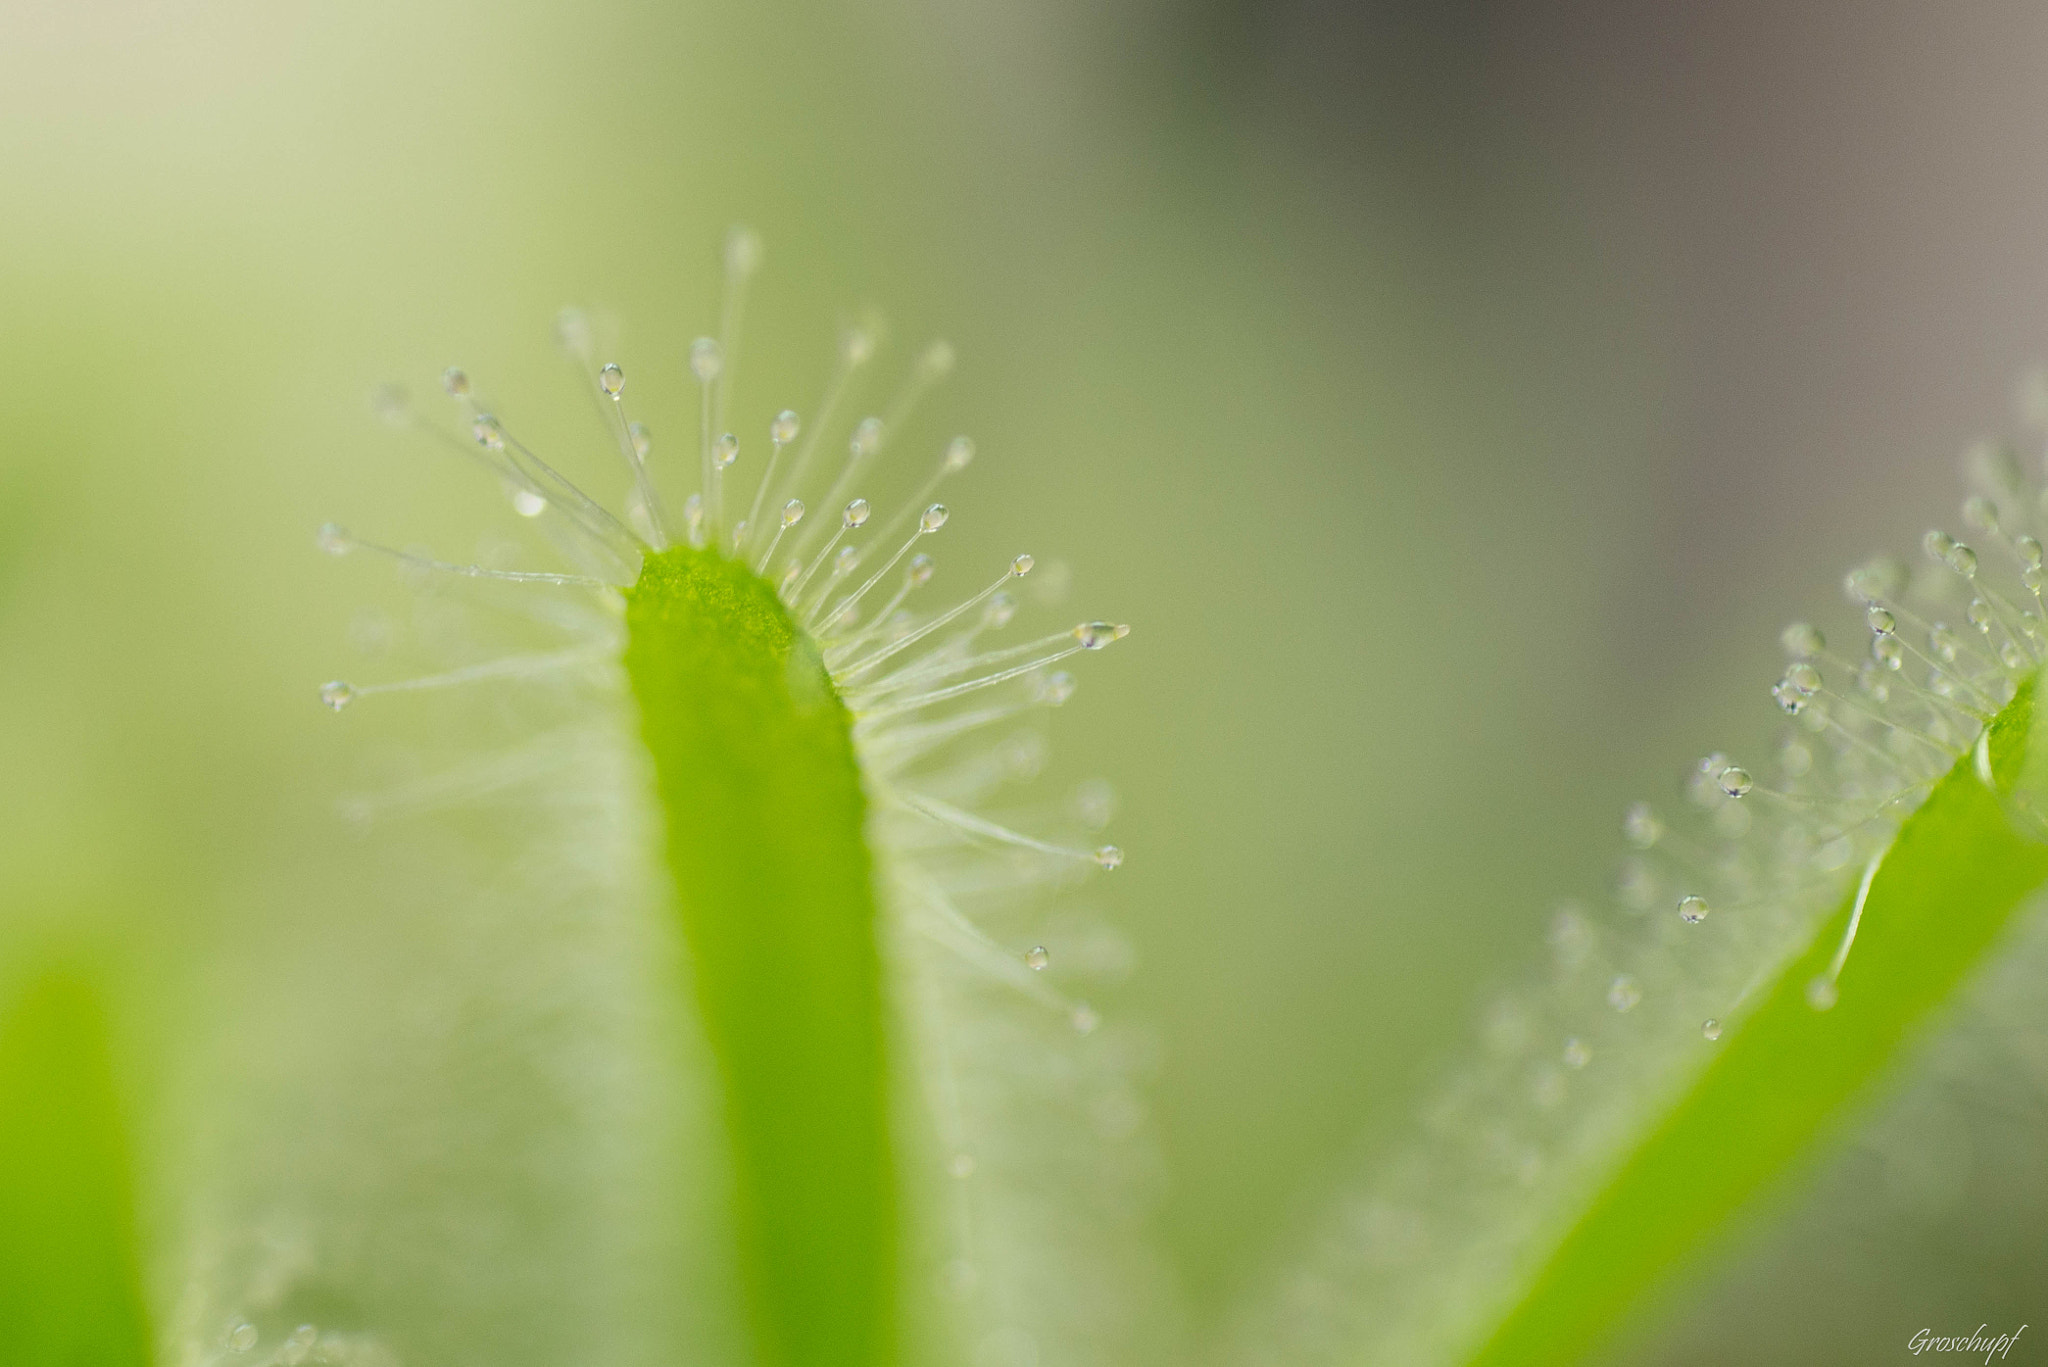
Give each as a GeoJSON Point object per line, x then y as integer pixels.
{"type": "Point", "coordinates": [1945, 890]}
{"type": "Point", "coordinates": [764, 820]}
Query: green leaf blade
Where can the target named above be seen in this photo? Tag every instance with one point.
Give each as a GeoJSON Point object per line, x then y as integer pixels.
{"type": "Point", "coordinates": [764, 819]}
{"type": "Point", "coordinates": [1947, 887]}
{"type": "Point", "coordinates": [70, 1284]}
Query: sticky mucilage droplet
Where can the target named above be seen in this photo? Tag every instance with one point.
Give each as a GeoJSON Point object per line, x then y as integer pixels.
{"type": "Point", "coordinates": [1624, 993]}
{"type": "Point", "coordinates": [707, 358]}
{"type": "Point", "coordinates": [1641, 827]}
{"type": "Point", "coordinates": [1802, 641]}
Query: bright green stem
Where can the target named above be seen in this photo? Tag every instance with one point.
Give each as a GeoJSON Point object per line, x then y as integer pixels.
{"type": "Point", "coordinates": [764, 820]}
{"type": "Point", "coordinates": [1947, 887]}
{"type": "Point", "coordinates": [70, 1291]}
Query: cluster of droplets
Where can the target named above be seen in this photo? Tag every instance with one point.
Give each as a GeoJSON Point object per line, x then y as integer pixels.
{"type": "Point", "coordinates": [242, 1344]}
{"type": "Point", "coordinates": [1865, 737]}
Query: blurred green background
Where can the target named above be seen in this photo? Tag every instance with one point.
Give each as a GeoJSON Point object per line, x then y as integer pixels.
{"type": "Point", "coordinates": [1456, 397]}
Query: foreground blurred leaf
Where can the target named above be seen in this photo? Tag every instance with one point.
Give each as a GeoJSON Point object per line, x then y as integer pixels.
{"type": "Point", "coordinates": [1945, 891]}
{"type": "Point", "coordinates": [69, 1286]}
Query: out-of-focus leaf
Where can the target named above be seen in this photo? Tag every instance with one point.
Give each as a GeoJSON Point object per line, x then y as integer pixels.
{"type": "Point", "coordinates": [69, 1268]}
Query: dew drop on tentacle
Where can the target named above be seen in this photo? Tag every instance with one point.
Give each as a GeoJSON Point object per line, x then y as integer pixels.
{"type": "Point", "coordinates": [2029, 550]}
{"type": "Point", "coordinates": [1641, 827]}
{"type": "Point", "coordinates": [933, 518]}
{"type": "Point", "coordinates": [706, 359]}
{"type": "Point", "coordinates": [643, 440]}
{"type": "Point", "coordinates": [1881, 620]}
{"type": "Point", "coordinates": [1887, 651]}
{"type": "Point", "coordinates": [611, 379]}
{"type": "Point", "coordinates": [1736, 781]}
{"type": "Point", "coordinates": [959, 454]}
{"type": "Point", "coordinates": [1624, 993]}
{"type": "Point", "coordinates": [527, 503]}
{"type": "Point", "coordinates": [1056, 688]}
{"type": "Point", "coordinates": [725, 451]}
{"type": "Point", "coordinates": [1109, 857]}
{"type": "Point", "coordinates": [1095, 803]}
{"type": "Point", "coordinates": [1084, 1019]}
{"type": "Point", "coordinates": [1096, 635]}
{"type": "Point", "coordinates": [1692, 909]}
{"type": "Point", "coordinates": [998, 612]}
{"type": "Point", "coordinates": [1021, 566]}
{"type": "Point", "coordinates": [1710, 1029]}
{"type": "Point", "coordinates": [1821, 994]}
{"type": "Point", "coordinates": [742, 252]}
{"type": "Point", "coordinates": [242, 1337]}
{"type": "Point", "coordinates": [920, 572]}
{"type": "Point", "coordinates": [337, 694]}
{"type": "Point", "coordinates": [784, 429]}
{"type": "Point", "coordinates": [488, 432]}
{"type": "Point", "coordinates": [332, 538]}
{"type": "Point", "coordinates": [391, 404]}
{"type": "Point", "coordinates": [1802, 641]}
{"type": "Point", "coordinates": [1962, 560]}
{"type": "Point", "coordinates": [857, 346]}
{"type": "Point", "coordinates": [572, 333]}
{"type": "Point", "coordinates": [792, 512]}
{"type": "Point", "coordinates": [855, 513]}
{"type": "Point", "coordinates": [1037, 958]}
{"type": "Point", "coordinates": [455, 380]}
{"type": "Point", "coordinates": [866, 439]}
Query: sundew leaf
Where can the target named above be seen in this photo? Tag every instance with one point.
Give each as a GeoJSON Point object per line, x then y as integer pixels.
{"type": "Point", "coordinates": [70, 1293]}
{"type": "Point", "coordinates": [1943, 894]}
{"type": "Point", "coordinates": [765, 822]}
